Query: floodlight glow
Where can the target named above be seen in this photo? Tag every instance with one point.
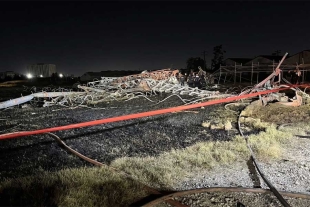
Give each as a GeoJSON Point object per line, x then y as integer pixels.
{"type": "Point", "coordinates": [29, 75]}
{"type": "Point", "coordinates": [61, 75]}
{"type": "Point", "coordinates": [41, 76]}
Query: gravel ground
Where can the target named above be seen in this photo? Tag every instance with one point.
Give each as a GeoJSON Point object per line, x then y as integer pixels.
{"type": "Point", "coordinates": [291, 174]}
{"type": "Point", "coordinates": [146, 136]}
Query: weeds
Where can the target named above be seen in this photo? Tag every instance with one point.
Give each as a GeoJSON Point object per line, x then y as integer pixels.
{"type": "Point", "coordinates": [102, 187]}
{"type": "Point", "coordinates": [71, 187]}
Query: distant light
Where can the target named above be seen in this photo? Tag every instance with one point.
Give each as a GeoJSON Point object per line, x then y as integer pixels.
{"type": "Point", "coordinates": [41, 76]}
{"type": "Point", "coordinates": [29, 75]}
{"type": "Point", "coordinates": [61, 75]}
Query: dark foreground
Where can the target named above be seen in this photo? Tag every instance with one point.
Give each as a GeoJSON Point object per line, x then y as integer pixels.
{"type": "Point", "coordinates": [141, 137]}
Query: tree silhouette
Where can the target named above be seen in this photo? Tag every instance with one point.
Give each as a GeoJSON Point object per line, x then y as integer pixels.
{"type": "Point", "coordinates": [218, 58]}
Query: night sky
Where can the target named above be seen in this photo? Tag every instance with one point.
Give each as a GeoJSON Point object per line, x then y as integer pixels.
{"type": "Point", "coordinates": [95, 36]}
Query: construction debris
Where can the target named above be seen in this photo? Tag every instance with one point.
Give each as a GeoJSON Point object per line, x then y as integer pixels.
{"type": "Point", "coordinates": [147, 84]}
{"type": "Point", "coordinates": [270, 83]}
{"type": "Point", "coordinates": [129, 87]}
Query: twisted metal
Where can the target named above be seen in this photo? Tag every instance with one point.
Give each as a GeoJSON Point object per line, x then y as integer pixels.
{"type": "Point", "coordinates": [145, 84]}
{"type": "Point", "coordinates": [130, 87]}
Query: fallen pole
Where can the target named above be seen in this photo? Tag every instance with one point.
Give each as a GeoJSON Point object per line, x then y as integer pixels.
{"type": "Point", "coordinates": [24, 99]}
{"type": "Point", "coordinates": [16, 101]}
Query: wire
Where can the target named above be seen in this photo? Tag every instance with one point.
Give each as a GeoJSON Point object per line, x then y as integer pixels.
{"type": "Point", "coordinates": [272, 188]}
{"type": "Point", "coordinates": [95, 162]}
{"type": "Point", "coordinates": [220, 189]}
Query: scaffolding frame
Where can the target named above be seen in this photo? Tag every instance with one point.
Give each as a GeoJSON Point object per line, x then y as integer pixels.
{"type": "Point", "coordinates": [257, 68]}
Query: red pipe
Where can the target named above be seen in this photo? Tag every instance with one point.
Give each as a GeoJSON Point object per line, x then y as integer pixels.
{"type": "Point", "coordinates": [136, 116]}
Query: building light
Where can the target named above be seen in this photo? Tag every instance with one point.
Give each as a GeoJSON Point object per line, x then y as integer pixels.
{"type": "Point", "coordinates": [29, 76]}
{"type": "Point", "coordinates": [61, 75]}
{"type": "Point", "coordinates": [41, 76]}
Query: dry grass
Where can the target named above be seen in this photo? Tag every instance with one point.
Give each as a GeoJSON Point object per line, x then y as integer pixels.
{"type": "Point", "coordinates": [169, 168]}
{"type": "Point", "coordinates": [101, 187]}
{"type": "Point", "coordinates": [279, 114]}
{"type": "Point", "coordinates": [12, 83]}
{"type": "Point", "coordinates": [71, 187]}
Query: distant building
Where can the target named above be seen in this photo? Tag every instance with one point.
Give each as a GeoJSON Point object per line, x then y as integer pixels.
{"type": "Point", "coordinates": [6, 74]}
{"type": "Point", "coordinates": [41, 69]}
{"type": "Point", "coordinates": [298, 58]}
{"type": "Point", "coordinates": [236, 61]}
{"type": "Point", "coordinates": [265, 64]}
{"type": "Point", "coordinates": [265, 60]}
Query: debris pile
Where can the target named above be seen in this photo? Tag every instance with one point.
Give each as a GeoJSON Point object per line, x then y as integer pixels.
{"type": "Point", "coordinates": [145, 84]}
{"type": "Point", "coordinates": [273, 81]}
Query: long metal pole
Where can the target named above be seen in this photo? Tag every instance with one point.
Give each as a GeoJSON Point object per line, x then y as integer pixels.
{"type": "Point", "coordinates": [281, 61]}
{"type": "Point", "coordinates": [271, 75]}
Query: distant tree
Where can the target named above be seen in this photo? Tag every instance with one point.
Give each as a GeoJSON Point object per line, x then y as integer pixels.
{"type": "Point", "coordinates": [194, 63]}
{"type": "Point", "coordinates": [276, 53]}
{"type": "Point", "coordinates": [218, 58]}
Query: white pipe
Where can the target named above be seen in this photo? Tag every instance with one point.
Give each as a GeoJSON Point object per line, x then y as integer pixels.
{"type": "Point", "coordinates": [25, 99]}
{"type": "Point", "coordinates": [16, 101]}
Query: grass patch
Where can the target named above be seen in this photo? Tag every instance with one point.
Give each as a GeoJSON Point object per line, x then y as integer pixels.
{"type": "Point", "coordinates": [12, 83]}
{"type": "Point", "coordinates": [102, 187]}
{"type": "Point", "coordinates": [169, 168]}
{"type": "Point", "coordinates": [71, 187]}
{"type": "Point", "coordinates": [279, 114]}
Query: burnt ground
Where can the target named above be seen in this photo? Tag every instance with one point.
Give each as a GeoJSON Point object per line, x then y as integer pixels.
{"type": "Point", "coordinates": [141, 137]}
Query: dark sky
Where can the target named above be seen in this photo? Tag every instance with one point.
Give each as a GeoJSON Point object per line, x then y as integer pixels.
{"type": "Point", "coordinates": [95, 36]}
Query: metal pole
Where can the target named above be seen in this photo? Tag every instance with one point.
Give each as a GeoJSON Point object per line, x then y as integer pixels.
{"type": "Point", "coordinates": [282, 60]}
{"type": "Point", "coordinates": [276, 72]}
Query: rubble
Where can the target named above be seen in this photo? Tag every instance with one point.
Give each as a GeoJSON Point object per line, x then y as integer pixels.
{"type": "Point", "coordinates": [120, 88]}
{"type": "Point", "coordinates": [148, 84]}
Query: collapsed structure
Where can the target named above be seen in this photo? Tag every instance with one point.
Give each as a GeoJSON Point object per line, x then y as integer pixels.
{"type": "Point", "coordinates": [147, 84]}
{"type": "Point", "coordinates": [119, 88]}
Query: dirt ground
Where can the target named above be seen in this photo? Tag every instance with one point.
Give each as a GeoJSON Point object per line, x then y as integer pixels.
{"type": "Point", "coordinates": [142, 137]}
{"type": "Point", "coordinates": [134, 138]}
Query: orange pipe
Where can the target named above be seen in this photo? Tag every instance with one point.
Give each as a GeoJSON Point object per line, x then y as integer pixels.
{"type": "Point", "coordinates": [138, 115]}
